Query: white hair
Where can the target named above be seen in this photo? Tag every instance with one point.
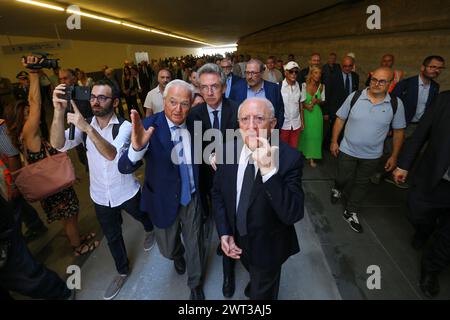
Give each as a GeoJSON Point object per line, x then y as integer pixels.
{"type": "Point", "coordinates": [264, 101]}
{"type": "Point", "coordinates": [179, 83]}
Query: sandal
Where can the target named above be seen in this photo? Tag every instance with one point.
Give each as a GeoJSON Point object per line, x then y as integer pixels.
{"type": "Point", "coordinates": [87, 237]}
{"type": "Point", "coordinates": [85, 248]}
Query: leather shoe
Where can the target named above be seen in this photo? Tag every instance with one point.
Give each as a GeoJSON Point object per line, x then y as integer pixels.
{"type": "Point", "coordinates": [247, 290]}
{"type": "Point", "coordinates": [429, 283]}
{"type": "Point", "coordinates": [228, 286]}
{"type": "Point", "coordinates": [197, 293]}
{"type": "Point", "coordinates": [180, 265]}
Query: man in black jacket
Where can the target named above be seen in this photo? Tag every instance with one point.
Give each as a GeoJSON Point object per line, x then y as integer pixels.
{"type": "Point", "coordinates": [428, 200]}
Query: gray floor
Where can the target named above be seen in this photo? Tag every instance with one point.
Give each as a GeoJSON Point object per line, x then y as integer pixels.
{"type": "Point", "coordinates": [332, 264]}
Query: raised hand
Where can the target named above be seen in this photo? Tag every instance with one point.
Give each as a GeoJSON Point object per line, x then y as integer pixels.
{"type": "Point", "coordinates": [77, 118]}
{"type": "Point", "coordinates": [60, 104]}
{"type": "Point", "coordinates": [264, 156]}
{"type": "Point", "coordinates": [139, 136]}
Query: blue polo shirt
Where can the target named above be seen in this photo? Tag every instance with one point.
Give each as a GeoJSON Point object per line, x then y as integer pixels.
{"type": "Point", "coordinates": [368, 125]}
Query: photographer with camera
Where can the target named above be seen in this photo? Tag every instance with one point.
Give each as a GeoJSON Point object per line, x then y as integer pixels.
{"type": "Point", "coordinates": [22, 120]}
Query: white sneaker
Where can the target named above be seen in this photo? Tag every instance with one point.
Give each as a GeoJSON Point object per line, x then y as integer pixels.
{"type": "Point", "coordinates": [353, 221]}
{"type": "Point", "coordinates": [149, 241]}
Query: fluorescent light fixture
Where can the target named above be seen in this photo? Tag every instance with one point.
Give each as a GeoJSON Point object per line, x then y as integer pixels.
{"type": "Point", "coordinates": [115, 21]}
{"type": "Point", "coordinates": [93, 16]}
{"type": "Point", "coordinates": [42, 4]}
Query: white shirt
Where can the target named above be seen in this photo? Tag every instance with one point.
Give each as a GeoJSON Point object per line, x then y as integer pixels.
{"type": "Point", "coordinates": [154, 100]}
{"type": "Point", "coordinates": [291, 98]}
{"type": "Point", "coordinates": [246, 154]}
{"type": "Point", "coordinates": [108, 187]}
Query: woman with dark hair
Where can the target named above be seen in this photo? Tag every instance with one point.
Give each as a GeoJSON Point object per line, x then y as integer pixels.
{"type": "Point", "coordinates": [22, 120]}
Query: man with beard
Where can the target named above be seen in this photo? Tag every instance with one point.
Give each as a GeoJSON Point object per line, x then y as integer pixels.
{"type": "Point", "coordinates": [104, 136]}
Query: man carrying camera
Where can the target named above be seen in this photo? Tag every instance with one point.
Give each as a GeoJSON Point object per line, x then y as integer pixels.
{"type": "Point", "coordinates": [104, 136]}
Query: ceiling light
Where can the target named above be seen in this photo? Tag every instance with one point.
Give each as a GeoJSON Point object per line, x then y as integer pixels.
{"type": "Point", "coordinates": [135, 26]}
{"type": "Point", "coordinates": [93, 16]}
{"type": "Point", "coordinates": [41, 4]}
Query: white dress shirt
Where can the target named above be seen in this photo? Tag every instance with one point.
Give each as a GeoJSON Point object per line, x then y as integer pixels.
{"type": "Point", "coordinates": [108, 187]}
{"type": "Point", "coordinates": [291, 99]}
{"type": "Point", "coordinates": [154, 100]}
{"type": "Point", "coordinates": [246, 154]}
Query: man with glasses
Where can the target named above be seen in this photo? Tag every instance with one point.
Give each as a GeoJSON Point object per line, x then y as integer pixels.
{"type": "Point", "coordinates": [290, 91]}
{"type": "Point", "coordinates": [104, 137]}
{"type": "Point", "coordinates": [227, 67]}
{"type": "Point", "coordinates": [170, 193]}
{"type": "Point", "coordinates": [255, 86]}
{"type": "Point", "coordinates": [257, 199]}
{"type": "Point", "coordinates": [221, 114]}
{"type": "Point", "coordinates": [367, 120]}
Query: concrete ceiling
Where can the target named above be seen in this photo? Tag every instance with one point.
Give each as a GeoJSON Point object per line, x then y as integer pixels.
{"type": "Point", "coordinates": [217, 22]}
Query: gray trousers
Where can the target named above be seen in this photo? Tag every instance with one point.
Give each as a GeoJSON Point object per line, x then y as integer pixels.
{"type": "Point", "coordinates": [188, 223]}
{"type": "Point", "coordinates": [353, 179]}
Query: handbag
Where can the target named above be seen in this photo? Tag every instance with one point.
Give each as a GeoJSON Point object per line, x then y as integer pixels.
{"type": "Point", "coordinates": [45, 177]}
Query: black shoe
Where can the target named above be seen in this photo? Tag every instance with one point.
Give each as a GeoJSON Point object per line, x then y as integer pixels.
{"type": "Point", "coordinates": [33, 234]}
{"type": "Point", "coordinates": [247, 290]}
{"type": "Point", "coordinates": [219, 251]}
{"type": "Point", "coordinates": [429, 283]}
{"type": "Point", "coordinates": [228, 286]}
{"type": "Point", "coordinates": [352, 219]}
{"type": "Point", "coordinates": [197, 293]}
{"type": "Point", "coordinates": [180, 265]}
{"type": "Point", "coordinates": [335, 195]}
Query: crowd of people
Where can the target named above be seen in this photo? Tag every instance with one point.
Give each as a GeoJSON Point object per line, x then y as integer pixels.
{"type": "Point", "coordinates": [255, 196]}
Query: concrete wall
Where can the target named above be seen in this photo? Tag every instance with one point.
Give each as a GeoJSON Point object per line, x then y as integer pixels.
{"type": "Point", "coordinates": [86, 55]}
{"type": "Point", "coordinates": [411, 30]}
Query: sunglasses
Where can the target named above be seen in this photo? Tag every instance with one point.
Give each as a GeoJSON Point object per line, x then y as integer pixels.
{"type": "Point", "coordinates": [293, 71]}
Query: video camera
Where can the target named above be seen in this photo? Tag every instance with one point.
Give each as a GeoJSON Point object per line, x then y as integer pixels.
{"type": "Point", "coordinates": [44, 62]}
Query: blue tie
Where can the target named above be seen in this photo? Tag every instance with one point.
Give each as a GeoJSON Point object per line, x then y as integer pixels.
{"type": "Point", "coordinates": [216, 120]}
{"type": "Point", "coordinates": [184, 170]}
{"type": "Point", "coordinates": [347, 84]}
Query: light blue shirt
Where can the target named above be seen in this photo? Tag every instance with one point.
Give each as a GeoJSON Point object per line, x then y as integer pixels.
{"type": "Point", "coordinates": [368, 125]}
{"type": "Point", "coordinates": [422, 98]}
{"type": "Point", "coordinates": [344, 76]}
{"type": "Point", "coordinates": [260, 93]}
{"type": "Point", "coordinates": [227, 92]}
{"type": "Point", "coordinates": [211, 115]}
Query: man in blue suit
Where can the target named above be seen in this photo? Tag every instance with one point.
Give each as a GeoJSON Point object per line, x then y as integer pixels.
{"type": "Point", "coordinates": [227, 67]}
{"type": "Point", "coordinates": [171, 185]}
{"type": "Point", "coordinates": [418, 92]}
{"type": "Point", "coordinates": [255, 86]}
{"type": "Point", "coordinates": [257, 198]}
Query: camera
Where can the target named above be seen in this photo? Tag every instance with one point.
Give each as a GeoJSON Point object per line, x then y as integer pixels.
{"type": "Point", "coordinates": [78, 93]}
{"type": "Point", "coordinates": [43, 63]}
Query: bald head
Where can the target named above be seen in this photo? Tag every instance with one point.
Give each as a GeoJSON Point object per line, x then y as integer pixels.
{"type": "Point", "coordinates": [385, 71]}
{"type": "Point", "coordinates": [347, 64]}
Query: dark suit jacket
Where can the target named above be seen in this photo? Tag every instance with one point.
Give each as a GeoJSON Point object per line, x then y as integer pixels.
{"type": "Point", "coordinates": [273, 209]}
{"type": "Point", "coordinates": [328, 71]}
{"type": "Point", "coordinates": [434, 128]}
{"type": "Point", "coordinates": [301, 77]}
{"type": "Point", "coordinates": [228, 121]}
{"type": "Point", "coordinates": [239, 94]}
{"type": "Point", "coordinates": [146, 80]}
{"type": "Point", "coordinates": [335, 92]}
{"type": "Point", "coordinates": [408, 91]}
{"type": "Point", "coordinates": [161, 191]}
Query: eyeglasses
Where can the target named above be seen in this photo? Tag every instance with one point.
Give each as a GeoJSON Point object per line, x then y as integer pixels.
{"type": "Point", "coordinates": [214, 88]}
{"type": "Point", "coordinates": [173, 103]}
{"type": "Point", "coordinates": [256, 119]}
{"type": "Point", "coordinates": [100, 98]}
{"type": "Point", "coordinates": [292, 71]}
{"type": "Point", "coordinates": [252, 73]}
{"type": "Point", "coordinates": [436, 68]}
{"type": "Point", "coordinates": [347, 66]}
{"type": "Point", "coordinates": [376, 82]}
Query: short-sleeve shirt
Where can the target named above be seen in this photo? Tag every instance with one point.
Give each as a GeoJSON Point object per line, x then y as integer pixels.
{"type": "Point", "coordinates": [368, 125]}
{"type": "Point", "coordinates": [154, 100]}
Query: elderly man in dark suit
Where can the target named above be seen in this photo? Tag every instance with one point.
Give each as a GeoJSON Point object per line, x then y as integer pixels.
{"type": "Point", "coordinates": [257, 199]}
{"type": "Point", "coordinates": [171, 185]}
{"type": "Point", "coordinates": [255, 86]}
{"type": "Point", "coordinates": [429, 200]}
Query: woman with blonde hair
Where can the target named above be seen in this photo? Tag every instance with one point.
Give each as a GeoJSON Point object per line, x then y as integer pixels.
{"type": "Point", "coordinates": [312, 97]}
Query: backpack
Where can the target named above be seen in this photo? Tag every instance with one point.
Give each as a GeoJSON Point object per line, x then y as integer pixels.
{"type": "Point", "coordinates": [394, 103]}
{"type": "Point", "coordinates": [115, 129]}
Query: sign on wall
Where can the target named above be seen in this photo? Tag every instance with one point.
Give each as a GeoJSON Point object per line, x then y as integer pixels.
{"type": "Point", "coordinates": [27, 48]}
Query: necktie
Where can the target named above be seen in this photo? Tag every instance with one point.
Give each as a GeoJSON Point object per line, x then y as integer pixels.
{"type": "Point", "coordinates": [244, 199]}
{"type": "Point", "coordinates": [216, 120]}
{"type": "Point", "coordinates": [183, 168]}
{"type": "Point", "coordinates": [347, 84]}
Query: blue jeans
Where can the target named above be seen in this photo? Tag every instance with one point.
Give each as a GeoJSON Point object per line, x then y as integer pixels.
{"type": "Point", "coordinates": [110, 220]}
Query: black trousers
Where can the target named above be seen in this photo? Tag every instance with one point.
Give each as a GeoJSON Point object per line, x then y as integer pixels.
{"type": "Point", "coordinates": [264, 283]}
{"type": "Point", "coordinates": [110, 220]}
{"type": "Point", "coordinates": [429, 213]}
{"type": "Point", "coordinates": [24, 275]}
{"type": "Point", "coordinates": [30, 217]}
